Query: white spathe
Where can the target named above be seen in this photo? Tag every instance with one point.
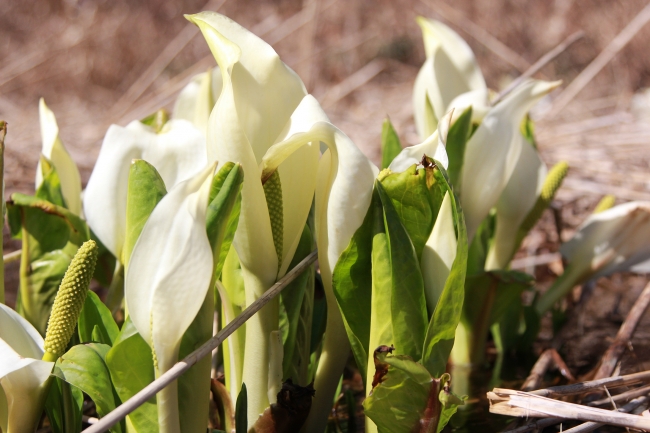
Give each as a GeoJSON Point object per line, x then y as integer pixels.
{"type": "Point", "coordinates": [516, 201]}
{"type": "Point", "coordinates": [54, 150]}
{"type": "Point", "coordinates": [610, 241]}
{"type": "Point", "coordinates": [491, 154]}
{"type": "Point", "coordinates": [196, 101]}
{"type": "Point", "coordinates": [177, 152]}
{"type": "Point", "coordinates": [168, 278]}
{"type": "Point", "coordinates": [450, 70]}
{"type": "Point", "coordinates": [23, 375]}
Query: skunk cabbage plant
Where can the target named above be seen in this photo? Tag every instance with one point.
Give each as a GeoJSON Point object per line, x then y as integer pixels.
{"type": "Point", "coordinates": [610, 241]}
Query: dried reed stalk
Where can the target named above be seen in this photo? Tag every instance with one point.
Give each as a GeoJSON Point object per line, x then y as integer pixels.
{"type": "Point", "coordinates": [524, 404]}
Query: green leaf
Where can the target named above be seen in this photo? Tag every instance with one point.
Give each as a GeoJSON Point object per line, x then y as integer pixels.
{"type": "Point", "coordinates": [241, 412]}
{"type": "Point", "coordinates": [442, 327]}
{"type": "Point", "coordinates": [96, 319]}
{"type": "Point", "coordinates": [478, 249]}
{"type": "Point", "coordinates": [406, 397]}
{"type": "Point", "coordinates": [408, 313]}
{"type": "Point", "coordinates": [50, 189]}
{"type": "Point", "coordinates": [352, 284]}
{"type": "Point", "coordinates": [296, 353]}
{"type": "Point", "coordinates": [490, 294]}
{"type": "Point", "coordinates": [223, 212]}
{"type": "Point", "coordinates": [56, 405]}
{"type": "Point", "coordinates": [130, 363]}
{"type": "Point", "coordinates": [319, 315]}
{"type": "Point", "coordinates": [105, 263]}
{"type": "Point", "coordinates": [51, 236]}
{"type": "Point", "coordinates": [145, 189]}
{"type": "Point", "coordinates": [84, 367]}
{"type": "Point", "coordinates": [417, 199]}
{"type": "Point", "coordinates": [390, 144]}
{"type": "Point", "coordinates": [528, 130]}
{"type": "Point", "coordinates": [457, 138]}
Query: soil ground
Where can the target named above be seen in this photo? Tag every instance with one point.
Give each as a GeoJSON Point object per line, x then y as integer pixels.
{"type": "Point", "coordinates": [101, 62]}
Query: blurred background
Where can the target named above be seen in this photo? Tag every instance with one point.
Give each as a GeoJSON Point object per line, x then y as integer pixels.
{"type": "Point", "coordinates": [98, 62]}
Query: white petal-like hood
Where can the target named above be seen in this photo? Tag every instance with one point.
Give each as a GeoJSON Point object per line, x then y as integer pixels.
{"type": "Point", "coordinates": [449, 71]}
{"type": "Point", "coordinates": [492, 152]}
{"type": "Point", "coordinates": [611, 241]}
{"type": "Point", "coordinates": [178, 152]}
{"type": "Point", "coordinates": [55, 151]}
{"type": "Point", "coordinates": [170, 268]}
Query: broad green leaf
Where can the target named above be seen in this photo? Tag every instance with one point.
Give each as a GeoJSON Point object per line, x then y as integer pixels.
{"type": "Point", "coordinates": [457, 138]}
{"type": "Point", "coordinates": [145, 189]}
{"type": "Point", "coordinates": [96, 319]}
{"type": "Point", "coordinates": [405, 397]}
{"type": "Point", "coordinates": [416, 199]}
{"type": "Point", "coordinates": [408, 312]}
{"type": "Point", "coordinates": [442, 327]}
{"type": "Point", "coordinates": [84, 367]}
{"type": "Point", "coordinates": [296, 353]}
{"type": "Point", "coordinates": [352, 284]}
{"type": "Point", "coordinates": [130, 362]}
{"type": "Point", "coordinates": [223, 212]}
{"type": "Point", "coordinates": [51, 235]}
{"type": "Point", "coordinates": [390, 144]}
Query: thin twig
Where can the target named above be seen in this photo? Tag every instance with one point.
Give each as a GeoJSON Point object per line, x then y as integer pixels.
{"type": "Point", "coordinates": [605, 56]}
{"type": "Point", "coordinates": [579, 388]}
{"type": "Point", "coordinates": [536, 425]}
{"type": "Point", "coordinates": [182, 366]}
{"type": "Point", "coordinates": [538, 65]}
{"type": "Point", "coordinates": [538, 371]}
{"type": "Point", "coordinates": [591, 426]}
{"type": "Point", "coordinates": [618, 346]}
{"type": "Point", "coordinates": [549, 358]}
{"type": "Point", "coordinates": [542, 259]}
{"type": "Point", "coordinates": [624, 396]}
{"type": "Point", "coordinates": [480, 34]}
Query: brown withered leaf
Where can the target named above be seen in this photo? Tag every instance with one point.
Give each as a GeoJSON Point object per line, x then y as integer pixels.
{"type": "Point", "coordinates": [381, 368]}
{"type": "Point", "coordinates": [289, 413]}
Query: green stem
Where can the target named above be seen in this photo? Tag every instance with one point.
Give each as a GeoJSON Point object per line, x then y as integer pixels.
{"type": "Point", "coordinates": [572, 276]}
{"type": "Point", "coordinates": [258, 332]}
{"type": "Point", "coordinates": [167, 401]}
{"type": "Point", "coordinates": [69, 419]}
{"type": "Point", "coordinates": [471, 335]}
{"type": "Point", "coordinates": [116, 290]}
{"type": "Point", "coordinates": [330, 366]}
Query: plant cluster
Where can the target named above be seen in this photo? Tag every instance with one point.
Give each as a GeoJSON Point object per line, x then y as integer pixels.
{"type": "Point", "coordinates": [188, 219]}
